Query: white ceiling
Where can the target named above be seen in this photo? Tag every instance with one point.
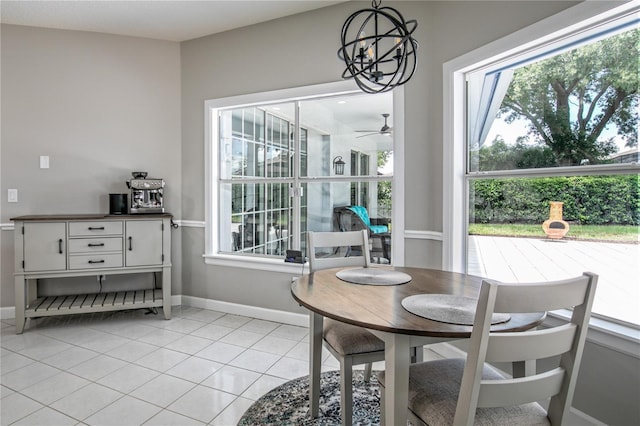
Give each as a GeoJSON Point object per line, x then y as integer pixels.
{"type": "Point", "coordinates": [172, 20]}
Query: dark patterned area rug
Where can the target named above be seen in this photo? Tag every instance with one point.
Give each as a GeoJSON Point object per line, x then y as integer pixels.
{"type": "Point", "coordinates": [288, 404]}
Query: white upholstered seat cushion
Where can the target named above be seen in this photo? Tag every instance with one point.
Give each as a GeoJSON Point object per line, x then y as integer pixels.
{"type": "Point", "coordinates": [433, 395]}
{"type": "Point", "coordinates": [347, 339]}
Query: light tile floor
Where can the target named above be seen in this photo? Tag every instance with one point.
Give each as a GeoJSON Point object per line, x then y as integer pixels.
{"type": "Point", "coordinates": [131, 368]}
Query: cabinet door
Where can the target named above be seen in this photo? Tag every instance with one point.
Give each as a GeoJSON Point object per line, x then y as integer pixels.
{"type": "Point", "coordinates": [143, 242]}
{"type": "Point", "coordinates": [45, 246]}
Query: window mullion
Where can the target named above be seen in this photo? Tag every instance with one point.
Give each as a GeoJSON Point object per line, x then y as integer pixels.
{"type": "Point", "coordinates": [295, 193]}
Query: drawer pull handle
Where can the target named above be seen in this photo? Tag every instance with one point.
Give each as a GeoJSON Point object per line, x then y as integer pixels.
{"type": "Point", "coordinates": [130, 244]}
{"type": "Point", "coordinates": [96, 228]}
{"type": "Point", "coordinates": [60, 246]}
{"type": "Point", "coordinates": [96, 245]}
{"type": "Point", "coordinates": [96, 261]}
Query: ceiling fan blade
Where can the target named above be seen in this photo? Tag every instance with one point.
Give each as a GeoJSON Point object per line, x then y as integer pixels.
{"type": "Point", "coordinates": [385, 130]}
{"type": "Point", "coordinates": [368, 134]}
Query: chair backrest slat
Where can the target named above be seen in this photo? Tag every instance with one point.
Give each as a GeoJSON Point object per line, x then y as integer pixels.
{"type": "Point", "coordinates": [538, 344]}
{"type": "Point", "coordinates": [566, 340]}
{"type": "Point", "coordinates": [539, 297]}
{"type": "Point", "coordinates": [501, 393]}
{"type": "Point", "coordinates": [344, 240]}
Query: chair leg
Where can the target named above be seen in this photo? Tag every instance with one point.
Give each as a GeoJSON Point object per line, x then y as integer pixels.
{"type": "Point", "coordinates": [382, 393]}
{"type": "Point", "coordinates": [417, 354]}
{"type": "Point", "coordinates": [346, 396]}
{"type": "Point", "coordinates": [367, 371]}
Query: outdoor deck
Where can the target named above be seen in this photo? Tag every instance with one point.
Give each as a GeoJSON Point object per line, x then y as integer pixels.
{"type": "Point", "coordinates": [529, 259]}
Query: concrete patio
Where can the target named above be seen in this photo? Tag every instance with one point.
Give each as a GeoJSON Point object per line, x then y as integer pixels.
{"type": "Point", "coordinates": [529, 259]}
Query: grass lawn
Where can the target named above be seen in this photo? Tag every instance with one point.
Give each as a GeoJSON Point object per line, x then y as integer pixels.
{"type": "Point", "coordinates": [617, 233]}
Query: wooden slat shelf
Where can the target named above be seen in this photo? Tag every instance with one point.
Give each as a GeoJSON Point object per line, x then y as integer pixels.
{"type": "Point", "coordinates": [94, 302]}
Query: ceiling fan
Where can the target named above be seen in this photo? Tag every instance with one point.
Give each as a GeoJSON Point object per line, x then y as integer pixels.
{"type": "Point", "coordinates": [384, 130]}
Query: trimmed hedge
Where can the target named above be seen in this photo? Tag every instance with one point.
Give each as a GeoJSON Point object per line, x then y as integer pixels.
{"type": "Point", "coordinates": [588, 200]}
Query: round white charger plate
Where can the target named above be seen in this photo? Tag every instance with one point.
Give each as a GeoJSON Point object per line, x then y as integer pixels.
{"type": "Point", "coordinates": [447, 308]}
{"type": "Point", "coordinates": [373, 276]}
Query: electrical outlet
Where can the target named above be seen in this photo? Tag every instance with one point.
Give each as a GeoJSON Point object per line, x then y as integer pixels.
{"type": "Point", "coordinates": [12, 195]}
{"type": "Point", "coordinates": [44, 161]}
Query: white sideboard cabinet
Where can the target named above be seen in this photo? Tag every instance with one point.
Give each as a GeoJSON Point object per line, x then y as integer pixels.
{"type": "Point", "coordinates": [59, 246]}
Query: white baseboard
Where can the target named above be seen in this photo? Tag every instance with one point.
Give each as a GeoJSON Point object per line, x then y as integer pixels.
{"type": "Point", "coordinates": [301, 320]}
{"type": "Point", "coordinates": [7, 313]}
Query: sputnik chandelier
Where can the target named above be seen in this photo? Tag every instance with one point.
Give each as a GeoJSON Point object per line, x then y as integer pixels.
{"type": "Point", "coordinates": [378, 48]}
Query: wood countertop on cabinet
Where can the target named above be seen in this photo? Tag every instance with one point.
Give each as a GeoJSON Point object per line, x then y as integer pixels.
{"type": "Point", "coordinates": [89, 216]}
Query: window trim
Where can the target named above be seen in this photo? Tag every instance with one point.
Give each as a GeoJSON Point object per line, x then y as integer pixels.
{"type": "Point", "coordinates": [212, 256]}
{"type": "Point", "coordinates": [579, 18]}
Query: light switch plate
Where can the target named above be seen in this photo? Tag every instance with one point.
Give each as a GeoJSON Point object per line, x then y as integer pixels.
{"type": "Point", "coordinates": [12, 195]}
{"type": "Point", "coordinates": [44, 161]}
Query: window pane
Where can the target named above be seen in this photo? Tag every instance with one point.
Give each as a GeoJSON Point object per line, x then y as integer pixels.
{"type": "Point", "coordinates": [336, 126]}
{"type": "Point", "coordinates": [279, 146]}
{"type": "Point", "coordinates": [575, 108]}
{"type": "Point", "coordinates": [364, 165]}
{"type": "Point", "coordinates": [304, 158]}
{"type": "Point", "coordinates": [354, 163]}
{"type": "Point", "coordinates": [325, 209]}
{"type": "Point", "coordinates": [261, 146]}
{"type": "Point", "coordinates": [256, 229]}
{"type": "Point", "coordinates": [242, 147]}
{"type": "Point", "coordinates": [250, 148]}
{"type": "Point", "coordinates": [516, 234]}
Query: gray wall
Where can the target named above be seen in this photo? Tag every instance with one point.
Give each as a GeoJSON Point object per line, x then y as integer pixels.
{"type": "Point", "coordinates": [100, 106]}
{"type": "Point", "coordinates": [301, 50]}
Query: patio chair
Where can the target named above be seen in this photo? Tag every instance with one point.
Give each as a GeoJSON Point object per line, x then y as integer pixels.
{"type": "Point", "coordinates": [356, 218]}
{"type": "Point", "coordinates": [455, 391]}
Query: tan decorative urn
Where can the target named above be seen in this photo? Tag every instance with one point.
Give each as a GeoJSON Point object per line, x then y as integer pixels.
{"type": "Point", "coordinates": [555, 227]}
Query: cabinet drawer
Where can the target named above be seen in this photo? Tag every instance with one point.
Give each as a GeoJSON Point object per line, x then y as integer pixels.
{"type": "Point", "coordinates": [84, 228]}
{"type": "Point", "coordinates": [95, 261]}
{"type": "Point", "coordinates": [89, 245]}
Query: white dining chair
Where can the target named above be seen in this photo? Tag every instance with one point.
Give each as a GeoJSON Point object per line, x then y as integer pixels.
{"type": "Point", "coordinates": [350, 344]}
{"type": "Point", "coordinates": [459, 392]}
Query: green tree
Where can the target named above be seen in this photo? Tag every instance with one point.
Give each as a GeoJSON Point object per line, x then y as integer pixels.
{"type": "Point", "coordinates": [383, 157]}
{"type": "Point", "coordinates": [501, 156]}
{"type": "Point", "coordinates": [569, 99]}
{"type": "Point", "coordinates": [384, 188]}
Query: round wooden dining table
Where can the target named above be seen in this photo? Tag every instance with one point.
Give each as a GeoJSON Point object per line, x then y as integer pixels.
{"type": "Point", "coordinates": [379, 309]}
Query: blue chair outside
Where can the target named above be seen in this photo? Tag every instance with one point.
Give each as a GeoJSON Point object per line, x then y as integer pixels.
{"type": "Point", "coordinates": [355, 218]}
{"type": "Point", "coordinates": [364, 215]}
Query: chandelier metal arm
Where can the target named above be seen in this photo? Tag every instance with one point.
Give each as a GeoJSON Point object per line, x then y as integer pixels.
{"type": "Point", "coordinates": [381, 60]}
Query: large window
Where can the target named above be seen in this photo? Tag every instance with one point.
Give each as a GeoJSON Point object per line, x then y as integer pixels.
{"type": "Point", "coordinates": [551, 163]}
{"type": "Point", "coordinates": [273, 170]}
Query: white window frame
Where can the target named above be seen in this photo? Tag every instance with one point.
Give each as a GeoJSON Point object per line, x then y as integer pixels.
{"type": "Point", "coordinates": [584, 18]}
{"type": "Point", "coordinates": [212, 255]}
